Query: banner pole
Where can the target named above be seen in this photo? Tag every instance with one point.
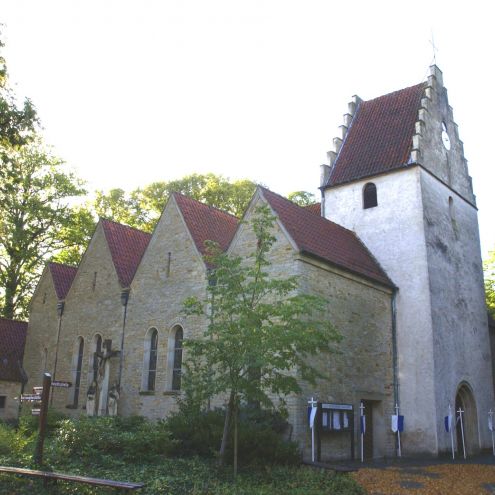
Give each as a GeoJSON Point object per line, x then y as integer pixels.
{"type": "Point", "coordinates": [361, 408]}
{"type": "Point", "coordinates": [490, 424]}
{"type": "Point", "coordinates": [451, 432]}
{"type": "Point", "coordinates": [398, 430]}
{"type": "Point", "coordinates": [462, 432]}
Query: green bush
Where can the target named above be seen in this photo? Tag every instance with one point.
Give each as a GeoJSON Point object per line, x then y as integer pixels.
{"type": "Point", "coordinates": [129, 438]}
{"type": "Point", "coordinates": [30, 424]}
{"type": "Point", "coordinates": [7, 438]}
{"type": "Point", "coordinates": [260, 436]}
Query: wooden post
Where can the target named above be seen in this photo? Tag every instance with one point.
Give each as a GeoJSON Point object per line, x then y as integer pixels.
{"type": "Point", "coordinates": [45, 397]}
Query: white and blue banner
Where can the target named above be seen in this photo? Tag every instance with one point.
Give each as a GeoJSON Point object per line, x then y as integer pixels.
{"type": "Point", "coordinates": [448, 423]}
{"type": "Point", "coordinates": [363, 424]}
{"type": "Point", "coordinates": [312, 416]}
{"type": "Point", "coordinates": [397, 423]}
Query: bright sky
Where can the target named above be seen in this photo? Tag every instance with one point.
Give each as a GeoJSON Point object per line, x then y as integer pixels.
{"type": "Point", "coordinates": [135, 91]}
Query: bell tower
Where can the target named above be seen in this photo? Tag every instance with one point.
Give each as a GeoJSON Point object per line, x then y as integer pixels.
{"type": "Point", "coordinates": [398, 177]}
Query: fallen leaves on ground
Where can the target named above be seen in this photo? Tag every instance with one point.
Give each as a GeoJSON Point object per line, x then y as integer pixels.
{"type": "Point", "coordinates": [442, 479]}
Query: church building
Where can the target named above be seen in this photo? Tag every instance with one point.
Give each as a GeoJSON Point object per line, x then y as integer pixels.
{"type": "Point", "coordinates": [393, 248]}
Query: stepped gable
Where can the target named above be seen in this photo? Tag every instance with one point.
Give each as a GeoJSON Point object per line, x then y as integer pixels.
{"type": "Point", "coordinates": [316, 236]}
{"type": "Point", "coordinates": [12, 340]}
{"type": "Point", "coordinates": [127, 246]}
{"type": "Point", "coordinates": [379, 138]}
{"type": "Point", "coordinates": [62, 276]}
{"type": "Point", "coordinates": [314, 208]}
{"type": "Point", "coordinates": [206, 223]}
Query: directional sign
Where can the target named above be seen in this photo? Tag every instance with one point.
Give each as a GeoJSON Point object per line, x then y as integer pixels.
{"type": "Point", "coordinates": [35, 412]}
{"type": "Point", "coordinates": [61, 384]}
{"type": "Point", "coordinates": [37, 390]}
{"type": "Point", "coordinates": [30, 397]}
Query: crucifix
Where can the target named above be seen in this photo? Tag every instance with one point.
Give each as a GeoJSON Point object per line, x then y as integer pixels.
{"type": "Point", "coordinates": [434, 48]}
{"type": "Point", "coordinates": [363, 428]}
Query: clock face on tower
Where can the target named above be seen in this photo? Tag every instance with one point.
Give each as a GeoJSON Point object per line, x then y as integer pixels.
{"type": "Point", "coordinates": [445, 137]}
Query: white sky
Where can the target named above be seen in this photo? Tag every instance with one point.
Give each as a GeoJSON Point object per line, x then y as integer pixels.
{"type": "Point", "coordinates": [135, 91]}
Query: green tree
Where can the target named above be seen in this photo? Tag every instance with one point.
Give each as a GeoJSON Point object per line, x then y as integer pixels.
{"type": "Point", "coordinates": [302, 198]}
{"type": "Point", "coordinates": [18, 123]}
{"type": "Point", "coordinates": [261, 333]}
{"type": "Point", "coordinates": [489, 269]}
{"type": "Point", "coordinates": [34, 194]}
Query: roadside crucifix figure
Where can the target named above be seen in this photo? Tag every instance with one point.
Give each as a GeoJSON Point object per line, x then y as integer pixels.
{"type": "Point", "coordinates": [91, 399]}
{"type": "Point", "coordinates": [113, 397]}
{"type": "Point", "coordinates": [102, 375]}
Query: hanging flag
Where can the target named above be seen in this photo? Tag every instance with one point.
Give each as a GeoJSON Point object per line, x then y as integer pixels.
{"type": "Point", "coordinates": [400, 423]}
{"type": "Point", "coordinates": [448, 423]}
{"type": "Point", "coordinates": [312, 416]}
{"type": "Point", "coordinates": [363, 424]}
{"type": "Point", "coordinates": [395, 422]}
{"type": "Point", "coordinates": [490, 422]}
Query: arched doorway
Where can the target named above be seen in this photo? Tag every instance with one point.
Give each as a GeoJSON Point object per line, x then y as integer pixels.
{"type": "Point", "coordinates": [464, 400]}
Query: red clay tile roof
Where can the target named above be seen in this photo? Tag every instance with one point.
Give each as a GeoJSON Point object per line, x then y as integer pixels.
{"type": "Point", "coordinates": [314, 208]}
{"type": "Point", "coordinates": [127, 246]}
{"type": "Point", "coordinates": [380, 136]}
{"type": "Point", "coordinates": [62, 276]}
{"type": "Point", "coordinates": [206, 223]}
{"type": "Point", "coordinates": [317, 236]}
{"type": "Point", "coordinates": [12, 340]}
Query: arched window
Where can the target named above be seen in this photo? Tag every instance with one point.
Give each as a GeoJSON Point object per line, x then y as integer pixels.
{"type": "Point", "coordinates": [369, 196]}
{"type": "Point", "coordinates": [177, 367]}
{"type": "Point", "coordinates": [150, 360]}
{"type": "Point", "coordinates": [76, 369]}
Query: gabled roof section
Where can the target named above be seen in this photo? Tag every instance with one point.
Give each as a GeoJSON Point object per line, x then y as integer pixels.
{"type": "Point", "coordinates": [380, 136]}
{"type": "Point", "coordinates": [12, 341]}
{"type": "Point", "coordinates": [127, 246]}
{"type": "Point", "coordinates": [206, 223]}
{"type": "Point", "coordinates": [314, 208]}
{"type": "Point", "coordinates": [316, 236]}
{"type": "Point", "coordinates": [62, 276]}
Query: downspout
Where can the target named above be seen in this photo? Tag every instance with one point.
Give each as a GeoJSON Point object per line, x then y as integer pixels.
{"type": "Point", "coordinates": [124, 299]}
{"type": "Point", "coordinates": [394, 347]}
{"type": "Point", "coordinates": [60, 312]}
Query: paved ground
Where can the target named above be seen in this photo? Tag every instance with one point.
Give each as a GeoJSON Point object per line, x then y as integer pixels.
{"type": "Point", "coordinates": [476, 476]}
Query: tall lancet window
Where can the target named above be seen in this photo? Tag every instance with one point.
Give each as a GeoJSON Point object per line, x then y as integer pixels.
{"type": "Point", "coordinates": [177, 369]}
{"type": "Point", "coordinates": [370, 199]}
{"type": "Point", "coordinates": [152, 359]}
{"type": "Point", "coordinates": [76, 369]}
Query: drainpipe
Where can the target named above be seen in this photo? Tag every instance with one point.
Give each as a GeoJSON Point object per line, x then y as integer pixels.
{"type": "Point", "coordinates": [60, 312]}
{"type": "Point", "coordinates": [394, 347]}
{"type": "Point", "coordinates": [124, 299]}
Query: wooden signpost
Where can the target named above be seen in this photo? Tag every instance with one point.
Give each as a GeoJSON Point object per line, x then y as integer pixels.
{"type": "Point", "coordinates": [45, 395]}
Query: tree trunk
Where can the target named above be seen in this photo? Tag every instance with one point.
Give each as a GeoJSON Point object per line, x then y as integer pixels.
{"type": "Point", "coordinates": [9, 307]}
{"type": "Point", "coordinates": [236, 420]}
{"type": "Point", "coordinates": [226, 427]}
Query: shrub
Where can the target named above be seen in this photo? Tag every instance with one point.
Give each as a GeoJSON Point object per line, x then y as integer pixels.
{"type": "Point", "coordinates": [260, 435]}
{"type": "Point", "coordinates": [30, 424]}
{"type": "Point", "coordinates": [129, 438]}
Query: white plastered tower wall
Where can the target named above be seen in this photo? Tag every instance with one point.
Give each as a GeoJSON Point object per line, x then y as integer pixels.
{"type": "Point", "coordinates": [429, 246]}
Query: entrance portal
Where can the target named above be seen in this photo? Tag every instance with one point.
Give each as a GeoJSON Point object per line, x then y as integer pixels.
{"type": "Point", "coordinates": [465, 400]}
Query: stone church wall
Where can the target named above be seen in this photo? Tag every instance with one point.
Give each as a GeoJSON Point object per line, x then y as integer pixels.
{"type": "Point", "coordinates": [12, 392]}
{"type": "Point", "coordinates": [394, 232]}
{"type": "Point", "coordinates": [460, 329]}
{"type": "Point", "coordinates": [92, 307]}
{"type": "Point", "coordinates": [41, 338]}
{"type": "Point", "coordinates": [161, 285]}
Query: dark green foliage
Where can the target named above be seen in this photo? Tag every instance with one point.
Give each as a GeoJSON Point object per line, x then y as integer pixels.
{"type": "Point", "coordinates": [29, 424]}
{"type": "Point", "coordinates": [128, 438]}
{"type": "Point", "coordinates": [261, 436]}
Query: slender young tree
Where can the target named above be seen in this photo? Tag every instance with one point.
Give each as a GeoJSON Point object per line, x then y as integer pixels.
{"type": "Point", "coordinates": [262, 332]}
